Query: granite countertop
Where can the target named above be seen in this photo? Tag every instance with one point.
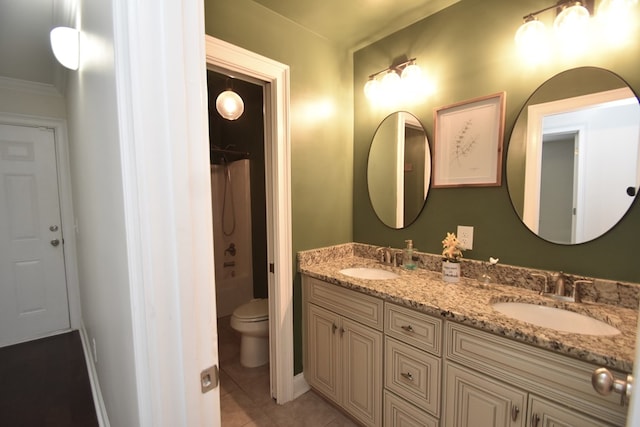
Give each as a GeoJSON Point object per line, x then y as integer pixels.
{"type": "Point", "coordinates": [469, 302]}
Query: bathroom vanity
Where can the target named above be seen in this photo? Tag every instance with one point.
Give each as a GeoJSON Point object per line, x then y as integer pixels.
{"type": "Point", "coordinates": [413, 350]}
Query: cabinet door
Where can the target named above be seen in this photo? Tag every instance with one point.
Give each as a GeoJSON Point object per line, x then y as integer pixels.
{"type": "Point", "coordinates": [543, 413]}
{"type": "Point", "coordinates": [362, 372]}
{"type": "Point", "coordinates": [323, 362]}
{"type": "Point", "coordinates": [475, 400]}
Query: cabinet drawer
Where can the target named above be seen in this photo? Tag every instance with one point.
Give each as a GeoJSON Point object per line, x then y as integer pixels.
{"type": "Point", "coordinates": [354, 305]}
{"type": "Point", "coordinates": [413, 375]}
{"type": "Point", "coordinates": [412, 327]}
{"type": "Point", "coordinates": [559, 378]}
{"type": "Point", "coordinates": [398, 412]}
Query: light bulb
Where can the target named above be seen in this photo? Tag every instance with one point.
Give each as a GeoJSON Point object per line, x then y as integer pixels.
{"type": "Point", "coordinates": [572, 21]}
{"type": "Point", "coordinates": [532, 41]}
{"type": "Point", "coordinates": [372, 89]}
{"type": "Point", "coordinates": [229, 105]}
{"type": "Point", "coordinates": [616, 21]}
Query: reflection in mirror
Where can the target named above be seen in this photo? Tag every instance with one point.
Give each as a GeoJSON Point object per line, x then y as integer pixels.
{"type": "Point", "coordinates": [572, 166]}
{"type": "Point", "coordinates": [399, 169]}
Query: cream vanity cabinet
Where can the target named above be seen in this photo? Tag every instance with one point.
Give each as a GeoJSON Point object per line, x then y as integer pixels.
{"type": "Point", "coordinates": [412, 373]}
{"type": "Point", "coordinates": [494, 381]}
{"type": "Point", "coordinates": [343, 348]}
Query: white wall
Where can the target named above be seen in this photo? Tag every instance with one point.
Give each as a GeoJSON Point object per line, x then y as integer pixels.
{"type": "Point", "coordinates": [96, 172]}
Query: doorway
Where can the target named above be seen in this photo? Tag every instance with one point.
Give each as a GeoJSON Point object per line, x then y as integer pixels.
{"type": "Point", "coordinates": [39, 292]}
{"type": "Point", "coordinates": [275, 78]}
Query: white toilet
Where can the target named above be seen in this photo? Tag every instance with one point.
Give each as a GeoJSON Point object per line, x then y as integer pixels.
{"type": "Point", "coordinates": [252, 321]}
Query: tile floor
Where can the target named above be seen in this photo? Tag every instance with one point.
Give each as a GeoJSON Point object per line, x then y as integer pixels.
{"type": "Point", "coordinates": [245, 399]}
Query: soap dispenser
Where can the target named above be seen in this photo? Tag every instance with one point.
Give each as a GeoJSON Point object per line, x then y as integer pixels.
{"type": "Point", "coordinates": [407, 258]}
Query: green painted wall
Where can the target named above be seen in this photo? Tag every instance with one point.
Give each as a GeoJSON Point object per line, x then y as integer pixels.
{"type": "Point", "coordinates": [321, 142]}
{"type": "Point", "coordinates": [469, 49]}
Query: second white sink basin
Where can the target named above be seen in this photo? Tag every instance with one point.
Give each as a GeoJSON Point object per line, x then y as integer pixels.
{"type": "Point", "coordinates": [555, 318]}
{"type": "Point", "coordinates": [369, 273]}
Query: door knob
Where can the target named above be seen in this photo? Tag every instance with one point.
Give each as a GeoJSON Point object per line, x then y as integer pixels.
{"type": "Point", "coordinates": [604, 383]}
{"type": "Point", "coordinates": [55, 242]}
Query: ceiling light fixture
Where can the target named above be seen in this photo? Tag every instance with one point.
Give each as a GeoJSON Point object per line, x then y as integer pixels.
{"type": "Point", "coordinates": [65, 43]}
{"type": "Point", "coordinates": [229, 104]}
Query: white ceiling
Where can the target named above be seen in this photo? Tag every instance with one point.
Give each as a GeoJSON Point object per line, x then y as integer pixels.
{"type": "Point", "coordinates": [25, 26]}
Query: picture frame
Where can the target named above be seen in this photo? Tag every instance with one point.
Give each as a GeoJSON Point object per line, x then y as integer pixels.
{"type": "Point", "coordinates": [468, 140]}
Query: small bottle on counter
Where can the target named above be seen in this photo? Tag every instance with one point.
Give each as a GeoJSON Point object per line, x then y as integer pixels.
{"type": "Point", "coordinates": [407, 257]}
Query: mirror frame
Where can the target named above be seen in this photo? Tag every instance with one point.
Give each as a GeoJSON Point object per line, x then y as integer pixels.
{"type": "Point", "coordinates": [399, 165]}
{"type": "Point", "coordinates": [519, 129]}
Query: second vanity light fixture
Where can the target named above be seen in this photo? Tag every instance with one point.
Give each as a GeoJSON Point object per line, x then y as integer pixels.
{"type": "Point", "coordinates": [573, 26]}
{"type": "Point", "coordinates": [395, 83]}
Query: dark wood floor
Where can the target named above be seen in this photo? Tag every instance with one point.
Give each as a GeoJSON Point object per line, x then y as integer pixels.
{"type": "Point", "coordinates": [45, 383]}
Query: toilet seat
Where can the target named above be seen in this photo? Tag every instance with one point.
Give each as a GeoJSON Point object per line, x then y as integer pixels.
{"type": "Point", "coordinates": [255, 310]}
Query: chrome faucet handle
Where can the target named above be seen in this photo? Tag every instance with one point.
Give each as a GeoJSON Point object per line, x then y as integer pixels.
{"type": "Point", "coordinates": [575, 294]}
{"type": "Point", "coordinates": [558, 282]}
{"type": "Point", "coordinates": [545, 288]}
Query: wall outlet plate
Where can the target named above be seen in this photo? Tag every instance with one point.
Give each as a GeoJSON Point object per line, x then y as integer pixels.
{"type": "Point", "coordinates": [465, 236]}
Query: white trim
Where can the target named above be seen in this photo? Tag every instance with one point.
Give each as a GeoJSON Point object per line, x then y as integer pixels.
{"type": "Point", "coordinates": [160, 83]}
{"type": "Point", "coordinates": [98, 400]}
{"type": "Point", "coordinates": [59, 127]}
{"type": "Point", "coordinates": [34, 88]}
{"type": "Point", "coordinates": [276, 75]}
{"type": "Point", "coordinates": [300, 385]}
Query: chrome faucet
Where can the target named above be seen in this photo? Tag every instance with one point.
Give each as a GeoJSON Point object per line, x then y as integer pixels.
{"type": "Point", "coordinates": [558, 283]}
{"type": "Point", "coordinates": [388, 256]}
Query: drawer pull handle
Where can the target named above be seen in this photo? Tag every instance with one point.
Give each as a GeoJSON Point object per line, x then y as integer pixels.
{"type": "Point", "coordinates": [407, 328]}
{"type": "Point", "coordinates": [407, 376]}
{"type": "Point", "coordinates": [535, 419]}
{"type": "Point", "coordinates": [514, 412]}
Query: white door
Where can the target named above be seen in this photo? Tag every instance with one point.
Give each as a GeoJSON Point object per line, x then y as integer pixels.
{"type": "Point", "coordinates": [33, 289]}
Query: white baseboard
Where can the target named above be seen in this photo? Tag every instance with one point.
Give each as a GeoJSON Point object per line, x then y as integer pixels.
{"type": "Point", "coordinates": [98, 401]}
{"type": "Point", "coordinates": [300, 385]}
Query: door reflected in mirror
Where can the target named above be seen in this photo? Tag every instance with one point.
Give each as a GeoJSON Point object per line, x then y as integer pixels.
{"type": "Point", "coordinates": [572, 166]}
{"type": "Point", "coordinates": [399, 170]}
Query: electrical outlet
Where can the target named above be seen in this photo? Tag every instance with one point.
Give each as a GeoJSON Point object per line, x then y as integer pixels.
{"type": "Point", "coordinates": [465, 236]}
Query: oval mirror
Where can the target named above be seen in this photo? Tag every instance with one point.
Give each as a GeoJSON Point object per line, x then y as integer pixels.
{"type": "Point", "coordinates": [572, 165]}
{"type": "Point", "coordinates": [399, 169]}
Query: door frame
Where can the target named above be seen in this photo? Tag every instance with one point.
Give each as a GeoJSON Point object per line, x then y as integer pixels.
{"type": "Point", "coordinates": [277, 130]}
{"type": "Point", "coordinates": [59, 127]}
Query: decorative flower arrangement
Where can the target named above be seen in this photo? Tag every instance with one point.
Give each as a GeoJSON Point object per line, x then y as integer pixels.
{"type": "Point", "coordinates": [451, 248]}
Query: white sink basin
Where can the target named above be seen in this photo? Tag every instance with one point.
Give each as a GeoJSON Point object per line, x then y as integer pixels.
{"type": "Point", "coordinates": [555, 318]}
{"type": "Point", "coordinates": [369, 273]}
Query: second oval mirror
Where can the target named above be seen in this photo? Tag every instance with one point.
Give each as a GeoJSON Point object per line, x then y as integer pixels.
{"type": "Point", "coordinates": [399, 169]}
{"type": "Point", "coordinates": [572, 166]}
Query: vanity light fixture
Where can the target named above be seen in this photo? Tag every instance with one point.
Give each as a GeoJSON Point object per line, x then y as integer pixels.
{"type": "Point", "coordinates": [229, 104]}
{"type": "Point", "coordinates": [573, 26]}
{"type": "Point", "coordinates": [395, 82]}
{"type": "Point", "coordinates": [65, 43]}
{"type": "Point", "coordinates": [569, 25]}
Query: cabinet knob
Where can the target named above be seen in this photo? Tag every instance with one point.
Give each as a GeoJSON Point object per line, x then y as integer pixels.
{"type": "Point", "coordinates": [407, 328]}
{"type": "Point", "coordinates": [333, 328]}
{"type": "Point", "coordinates": [407, 376]}
{"type": "Point", "coordinates": [604, 383]}
{"type": "Point", "coordinates": [535, 420]}
{"type": "Point", "coordinates": [514, 412]}
{"type": "Point", "coordinates": [341, 331]}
